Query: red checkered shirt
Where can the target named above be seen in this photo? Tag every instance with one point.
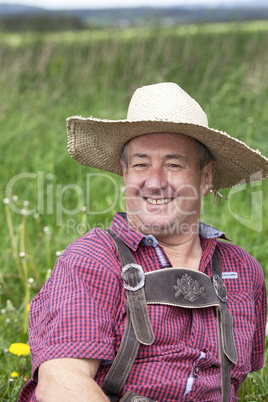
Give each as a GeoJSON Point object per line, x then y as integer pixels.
{"type": "Point", "coordinates": [80, 313]}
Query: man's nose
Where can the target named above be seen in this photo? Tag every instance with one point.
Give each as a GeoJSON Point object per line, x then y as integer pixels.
{"type": "Point", "coordinates": [156, 179]}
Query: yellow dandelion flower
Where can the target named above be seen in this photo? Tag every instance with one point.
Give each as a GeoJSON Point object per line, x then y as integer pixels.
{"type": "Point", "coordinates": [19, 349]}
{"type": "Point", "coordinates": [14, 374]}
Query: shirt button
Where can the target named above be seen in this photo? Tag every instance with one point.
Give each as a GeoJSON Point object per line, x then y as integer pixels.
{"type": "Point", "coordinates": [196, 369]}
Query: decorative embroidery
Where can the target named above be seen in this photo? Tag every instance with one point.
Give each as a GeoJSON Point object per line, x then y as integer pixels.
{"type": "Point", "coordinates": [189, 288]}
{"type": "Point", "coordinates": [139, 399]}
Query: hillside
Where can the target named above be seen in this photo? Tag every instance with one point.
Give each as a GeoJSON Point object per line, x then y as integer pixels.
{"type": "Point", "coordinates": [23, 18]}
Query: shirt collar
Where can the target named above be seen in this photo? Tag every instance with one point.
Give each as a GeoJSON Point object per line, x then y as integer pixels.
{"type": "Point", "coordinates": [132, 238]}
{"type": "Point", "coordinates": [209, 232]}
{"type": "Point", "coordinates": [127, 234]}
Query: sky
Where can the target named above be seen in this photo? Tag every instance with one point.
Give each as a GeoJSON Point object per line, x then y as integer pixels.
{"type": "Point", "coordinates": [71, 4]}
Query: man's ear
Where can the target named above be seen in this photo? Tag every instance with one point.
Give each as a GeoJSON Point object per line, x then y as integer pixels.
{"type": "Point", "coordinates": [207, 177]}
{"type": "Point", "coordinates": [123, 166]}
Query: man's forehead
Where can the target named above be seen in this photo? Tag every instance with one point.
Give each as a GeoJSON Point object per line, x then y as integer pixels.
{"type": "Point", "coordinates": [161, 139]}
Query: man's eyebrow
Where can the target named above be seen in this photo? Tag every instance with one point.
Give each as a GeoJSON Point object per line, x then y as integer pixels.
{"type": "Point", "coordinates": [177, 156]}
{"type": "Point", "coordinates": [137, 155]}
{"type": "Point", "coordinates": [168, 156]}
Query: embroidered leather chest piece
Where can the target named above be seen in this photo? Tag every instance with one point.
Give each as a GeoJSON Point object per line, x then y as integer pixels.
{"type": "Point", "coordinates": [189, 288]}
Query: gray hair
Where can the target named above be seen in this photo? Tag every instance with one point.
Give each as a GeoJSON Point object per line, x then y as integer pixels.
{"type": "Point", "coordinates": [203, 153]}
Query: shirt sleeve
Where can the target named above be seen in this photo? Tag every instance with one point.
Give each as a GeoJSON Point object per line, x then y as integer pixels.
{"type": "Point", "coordinates": [260, 298]}
{"type": "Point", "coordinates": [76, 312]}
{"type": "Point", "coordinates": [247, 302]}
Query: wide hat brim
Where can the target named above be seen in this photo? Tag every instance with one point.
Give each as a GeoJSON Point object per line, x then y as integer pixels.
{"type": "Point", "coordinates": [99, 144]}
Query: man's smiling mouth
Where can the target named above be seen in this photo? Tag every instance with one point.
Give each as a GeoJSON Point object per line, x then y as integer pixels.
{"type": "Point", "coordinates": [158, 201]}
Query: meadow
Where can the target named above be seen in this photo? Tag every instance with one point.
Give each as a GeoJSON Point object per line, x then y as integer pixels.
{"type": "Point", "coordinates": [49, 200]}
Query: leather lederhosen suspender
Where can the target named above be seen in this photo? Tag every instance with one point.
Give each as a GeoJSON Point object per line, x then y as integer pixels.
{"type": "Point", "coordinates": [184, 288]}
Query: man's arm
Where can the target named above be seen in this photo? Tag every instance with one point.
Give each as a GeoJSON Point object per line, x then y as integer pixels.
{"type": "Point", "coordinates": [69, 380]}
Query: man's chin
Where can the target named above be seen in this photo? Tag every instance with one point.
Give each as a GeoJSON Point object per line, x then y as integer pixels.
{"type": "Point", "coordinates": [160, 228]}
{"type": "Point", "coordinates": [164, 228]}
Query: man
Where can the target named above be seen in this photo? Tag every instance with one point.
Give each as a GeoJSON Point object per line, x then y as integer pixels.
{"type": "Point", "coordinates": [183, 341]}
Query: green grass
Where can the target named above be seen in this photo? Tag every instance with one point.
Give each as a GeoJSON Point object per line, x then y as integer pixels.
{"type": "Point", "coordinates": [46, 78]}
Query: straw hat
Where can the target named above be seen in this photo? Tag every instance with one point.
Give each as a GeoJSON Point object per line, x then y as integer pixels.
{"type": "Point", "coordinates": [163, 108]}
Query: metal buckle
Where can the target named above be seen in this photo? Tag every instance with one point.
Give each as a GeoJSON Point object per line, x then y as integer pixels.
{"type": "Point", "coordinates": [134, 277]}
{"type": "Point", "coordinates": [220, 289]}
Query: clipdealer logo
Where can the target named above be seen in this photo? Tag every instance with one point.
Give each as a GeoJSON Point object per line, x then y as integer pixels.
{"type": "Point", "coordinates": [52, 198]}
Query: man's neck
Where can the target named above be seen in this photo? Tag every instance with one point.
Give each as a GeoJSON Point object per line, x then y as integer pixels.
{"type": "Point", "coordinates": [186, 252]}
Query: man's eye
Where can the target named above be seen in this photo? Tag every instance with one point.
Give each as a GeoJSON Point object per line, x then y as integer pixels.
{"type": "Point", "coordinates": [140, 165]}
{"type": "Point", "coordinates": [174, 166]}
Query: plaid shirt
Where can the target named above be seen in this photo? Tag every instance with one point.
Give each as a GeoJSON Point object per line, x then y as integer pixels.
{"type": "Point", "coordinates": [80, 313]}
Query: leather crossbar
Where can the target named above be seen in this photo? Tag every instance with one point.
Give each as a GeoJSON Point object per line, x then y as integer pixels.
{"type": "Point", "coordinates": [180, 287]}
{"type": "Point", "coordinates": [170, 286]}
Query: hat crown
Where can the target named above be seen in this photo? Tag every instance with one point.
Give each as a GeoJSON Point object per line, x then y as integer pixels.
{"type": "Point", "coordinates": [165, 102]}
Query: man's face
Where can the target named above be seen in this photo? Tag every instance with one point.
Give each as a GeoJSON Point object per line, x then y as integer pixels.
{"type": "Point", "coordinates": [163, 184]}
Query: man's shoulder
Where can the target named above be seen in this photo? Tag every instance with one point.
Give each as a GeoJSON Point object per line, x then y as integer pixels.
{"type": "Point", "coordinates": [234, 256]}
{"type": "Point", "coordinates": [226, 247]}
{"type": "Point", "coordinates": [95, 242]}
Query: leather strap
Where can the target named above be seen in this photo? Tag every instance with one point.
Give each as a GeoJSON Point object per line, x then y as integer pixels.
{"type": "Point", "coordinates": [133, 277]}
{"type": "Point", "coordinates": [227, 347]}
{"type": "Point", "coordinates": [226, 319]}
{"type": "Point", "coordinates": [122, 364]}
{"type": "Point", "coordinates": [138, 328]}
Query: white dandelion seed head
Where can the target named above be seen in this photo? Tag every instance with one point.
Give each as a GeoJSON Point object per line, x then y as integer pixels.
{"type": "Point", "coordinates": [50, 176]}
